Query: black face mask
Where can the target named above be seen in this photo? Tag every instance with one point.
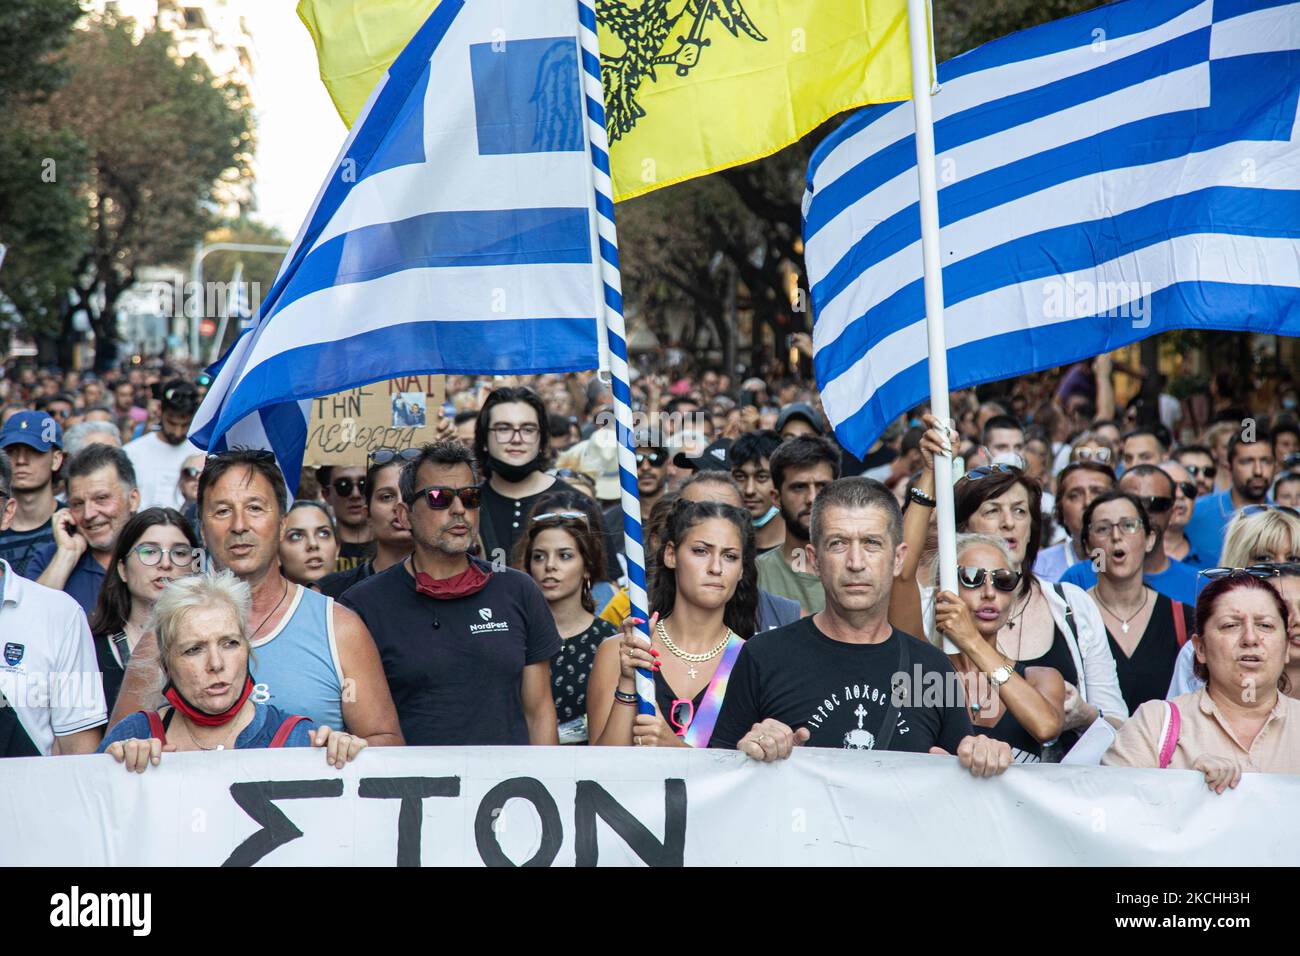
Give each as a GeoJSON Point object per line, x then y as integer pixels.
{"type": "Point", "coordinates": [513, 473]}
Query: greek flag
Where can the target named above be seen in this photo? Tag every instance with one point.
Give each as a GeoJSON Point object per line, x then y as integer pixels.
{"type": "Point", "coordinates": [457, 232]}
{"type": "Point", "coordinates": [1103, 178]}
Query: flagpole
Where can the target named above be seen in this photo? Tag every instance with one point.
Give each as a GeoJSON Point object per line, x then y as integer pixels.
{"type": "Point", "coordinates": [919, 35]}
{"type": "Point", "coordinates": [614, 335]}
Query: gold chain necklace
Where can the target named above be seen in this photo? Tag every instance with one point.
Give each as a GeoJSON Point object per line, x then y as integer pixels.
{"type": "Point", "coordinates": [693, 658]}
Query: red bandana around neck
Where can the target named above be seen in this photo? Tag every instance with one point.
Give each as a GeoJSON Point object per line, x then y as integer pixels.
{"type": "Point", "coordinates": [196, 716]}
{"type": "Point", "coordinates": [470, 581]}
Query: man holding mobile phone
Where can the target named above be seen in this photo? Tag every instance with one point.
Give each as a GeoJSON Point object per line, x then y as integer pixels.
{"type": "Point", "coordinates": [102, 496]}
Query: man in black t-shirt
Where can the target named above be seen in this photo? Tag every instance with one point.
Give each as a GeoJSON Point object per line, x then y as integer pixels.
{"type": "Point", "coordinates": [844, 677]}
{"type": "Point", "coordinates": [466, 648]}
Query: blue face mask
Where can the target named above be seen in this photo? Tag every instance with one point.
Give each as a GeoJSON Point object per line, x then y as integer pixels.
{"type": "Point", "coordinates": [1290, 402]}
{"type": "Point", "coordinates": [772, 512]}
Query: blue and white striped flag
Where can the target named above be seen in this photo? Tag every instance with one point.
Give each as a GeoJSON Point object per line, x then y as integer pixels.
{"type": "Point", "coordinates": [1102, 178]}
{"type": "Point", "coordinates": [457, 233]}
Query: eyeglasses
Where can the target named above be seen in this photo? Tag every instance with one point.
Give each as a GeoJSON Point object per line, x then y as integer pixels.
{"type": "Point", "coordinates": [1201, 471]}
{"type": "Point", "coordinates": [1156, 504]}
{"type": "Point", "coordinates": [656, 457]}
{"type": "Point", "coordinates": [382, 456]}
{"type": "Point", "coordinates": [1003, 579]}
{"type": "Point", "coordinates": [975, 474]}
{"type": "Point", "coordinates": [150, 555]}
{"type": "Point", "coordinates": [1256, 509]}
{"type": "Point", "coordinates": [1127, 525]}
{"type": "Point", "coordinates": [1291, 460]}
{"type": "Point", "coordinates": [440, 496]}
{"type": "Point", "coordinates": [343, 486]}
{"type": "Point", "coordinates": [505, 432]}
{"type": "Point", "coordinates": [191, 473]}
{"type": "Point", "coordinates": [1091, 454]}
{"type": "Point", "coordinates": [680, 714]}
{"type": "Point", "coordinates": [1253, 570]}
{"type": "Point", "coordinates": [562, 516]}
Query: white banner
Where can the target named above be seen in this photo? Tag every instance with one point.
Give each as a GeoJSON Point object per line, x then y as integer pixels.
{"type": "Point", "coordinates": [565, 805]}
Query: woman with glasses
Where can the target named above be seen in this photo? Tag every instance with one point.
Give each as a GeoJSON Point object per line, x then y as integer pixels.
{"type": "Point", "coordinates": [705, 601]}
{"type": "Point", "coordinates": [1268, 538]}
{"type": "Point", "coordinates": [1048, 625]}
{"type": "Point", "coordinates": [1176, 544]}
{"type": "Point", "coordinates": [566, 557]}
{"type": "Point", "coordinates": [512, 445]}
{"type": "Point", "coordinates": [1241, 719]}
{"type": "Point", "coordinates": [155, 547]}
{"type": "Point", "coordinates": [310, 543]}
{"type": "Point", "coordinates": [1095, 447]}
{"type": "Point", "coordinates": [1011, 701]}
{"type": "Point", "coordinates": [1145, 629]}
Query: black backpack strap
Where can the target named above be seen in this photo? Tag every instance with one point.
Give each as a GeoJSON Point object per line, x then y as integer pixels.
{"type": "Point", "coordinates": [886, 733]}
{"type": "Point", "coordinates": [1069, 612]}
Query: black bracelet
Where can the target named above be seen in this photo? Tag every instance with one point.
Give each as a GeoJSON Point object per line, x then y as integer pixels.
{"type": "Point", "coordinates": [921, 498]}
{"type": "Point", "coordinates": [624, 698]}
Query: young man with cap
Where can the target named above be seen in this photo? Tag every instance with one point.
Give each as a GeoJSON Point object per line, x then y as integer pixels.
{"type": "Point", "coordinates": [51, 696]}
{"type": "Point", "coordinates": [798, 418]}
{"type": "Point", "coordinates": [158, 456]}
{"type": "Point", "coordinates": [33, 442]}
{"type": "Point", "coordinates": [801, 468]}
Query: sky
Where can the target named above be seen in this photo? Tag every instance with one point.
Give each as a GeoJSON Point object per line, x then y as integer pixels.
{"type": "Point", "coordinates": [298, 131]}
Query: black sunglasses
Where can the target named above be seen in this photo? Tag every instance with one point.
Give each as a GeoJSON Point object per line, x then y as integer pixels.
{"type": "Point", "coordinates": [1253, 570]}
{"type": "Point", "coordinates": [382, 456]}
{"type": "Point", "coordinates": [1003, 579]}
{"type": "Point", "coordinates": [657, 456]}
{"type": "Point", "coordinates": [975, 474]}
{"type": "Point", "coordinates": [343, 486]}
{"type": "Point", "coordinates": [1156, 504]}
{"type": "Point", "coordinates": [1188, 488]}
{"type": "Point", "coordinates": [190, 472]}
{"type": "Point", "coordinates": [1201, 471]}
{"type": "Point", "coordinates": [440, 496]}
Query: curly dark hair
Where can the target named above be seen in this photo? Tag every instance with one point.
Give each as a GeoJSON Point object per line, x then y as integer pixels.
{"type": "Point", "coordinates": [588, 538]}
{"type": "Point", "coordinates": [741, 613]}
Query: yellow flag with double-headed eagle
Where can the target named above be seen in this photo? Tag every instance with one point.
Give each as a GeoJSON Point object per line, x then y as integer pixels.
{"type": "Point", "coordinates": [691, 86]}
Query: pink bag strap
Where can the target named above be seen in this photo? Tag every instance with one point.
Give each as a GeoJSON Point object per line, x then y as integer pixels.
{"type": "Point", "coordinates": [1169, 733]}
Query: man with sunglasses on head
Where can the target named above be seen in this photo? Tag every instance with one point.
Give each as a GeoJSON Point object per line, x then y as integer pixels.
{"type": "Point", "coordinates": [345, 490]}
{"type": "Point", "coordinates": [1156, 490]}
{"type": "Point", "coordinates": [392, 539]}
{"type": "Point", "coordinates": [466, 645]}
{"type": "Point", "coordinates": [311, 656]}
{"type": "Point", "coordinates": [158, 456]}
{"type": "Point", "coordinates": [1252, 466]}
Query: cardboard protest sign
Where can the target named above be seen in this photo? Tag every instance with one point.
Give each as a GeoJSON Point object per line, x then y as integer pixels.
{"type": "Point", "coordinates": [399, 413]}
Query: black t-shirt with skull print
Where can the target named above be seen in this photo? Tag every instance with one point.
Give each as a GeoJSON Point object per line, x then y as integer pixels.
{"type": "Point", "coordinates": [840, 692]}
{"type": "Point", "coordinates": [570, 668]}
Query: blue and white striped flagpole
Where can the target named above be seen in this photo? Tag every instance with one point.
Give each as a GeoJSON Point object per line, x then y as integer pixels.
{"type": "Point", "coordinates": [616, 333]}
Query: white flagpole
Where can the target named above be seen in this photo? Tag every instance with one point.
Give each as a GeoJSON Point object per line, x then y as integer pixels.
{"type": "Point", "coordinates": [919, 30]}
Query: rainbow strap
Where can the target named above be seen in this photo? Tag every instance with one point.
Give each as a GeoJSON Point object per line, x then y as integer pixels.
{"type": "Point", "coordinates": [701, 728]}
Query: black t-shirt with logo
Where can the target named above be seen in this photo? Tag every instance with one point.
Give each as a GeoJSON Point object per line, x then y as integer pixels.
{"type": "Point", "coordinates": [455, 667]}
{"type": "Point", "coordinates": [840, 692]}
{"type": "Point", "coordinates": [352, 554]}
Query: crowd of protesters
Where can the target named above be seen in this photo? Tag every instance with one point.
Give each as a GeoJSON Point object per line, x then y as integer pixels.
{"type": "Point", "coordinates": [1128, 581]}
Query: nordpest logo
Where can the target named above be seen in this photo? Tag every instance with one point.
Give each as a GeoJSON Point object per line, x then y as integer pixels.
{"type": "Point", "coordinates": [488, 624]}
{"type": "Point", "coordinates": [485, 613]}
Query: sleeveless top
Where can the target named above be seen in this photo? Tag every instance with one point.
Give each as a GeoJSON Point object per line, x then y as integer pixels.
{"type": "Point", "coordinates": [296, 667]}
{"type": "Point", "coordinates": [1146, 675]}
{"type": "Point", "coordinates": [1059, 657]}
{"type": "Point", "coordinates": [664, 697]}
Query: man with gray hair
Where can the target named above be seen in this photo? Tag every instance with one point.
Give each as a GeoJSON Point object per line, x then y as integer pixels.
{"type": "Point", "coordinates": [102, 496]}
{"type": "Point", "coordinates": [845, 677]}
{"type": "Point", "coordinates": [88, 433]}
{"type": "Point", "coordinates": [51, 697]}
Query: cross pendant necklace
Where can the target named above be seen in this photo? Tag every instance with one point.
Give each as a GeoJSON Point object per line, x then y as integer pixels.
{"type": "Point", "coordinates": [692, 672]}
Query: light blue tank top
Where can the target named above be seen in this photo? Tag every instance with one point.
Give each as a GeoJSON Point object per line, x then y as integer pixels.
{"type": "Point", "coordinates": [296, 667]}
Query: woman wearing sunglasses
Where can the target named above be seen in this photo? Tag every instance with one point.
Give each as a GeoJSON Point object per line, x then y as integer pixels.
{"type": "Point", "coordinates": [155, 547]}
{"type": "Point", "coordinates": [1145, 629]}
{"type": "Point", "coordinates": [705, 598]}
{"type": "Point", "coordinates": [310, 544]}
{"type": "Point", "coordinates": [1241, 720]}
{"type": "Point", "coordinates": [566, 557]}
{"type": "Point", "coordinates": [1268, 538]}
{"type": "Point", "coordinates": [1177, 546]}
{"type": "Point", "coordinates": [1049, 625]}
{"type": "Point", "coordinates": [1019, 704]}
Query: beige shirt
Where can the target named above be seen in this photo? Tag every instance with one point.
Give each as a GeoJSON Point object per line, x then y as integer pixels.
{"type": "Point", "coordinates": [1204, 730]}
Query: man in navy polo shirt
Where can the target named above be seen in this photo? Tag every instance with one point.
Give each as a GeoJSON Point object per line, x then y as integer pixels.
{"type": "Point", "coordinates": [33, 442]}
{"type": "Point", "coordinates": [102, 496]}
{"type": "Point", "coordinates": [466, 649]}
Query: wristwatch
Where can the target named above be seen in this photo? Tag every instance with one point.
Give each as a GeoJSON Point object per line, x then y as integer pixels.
{"type": "Point", "coordinates": [1000, 676]}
